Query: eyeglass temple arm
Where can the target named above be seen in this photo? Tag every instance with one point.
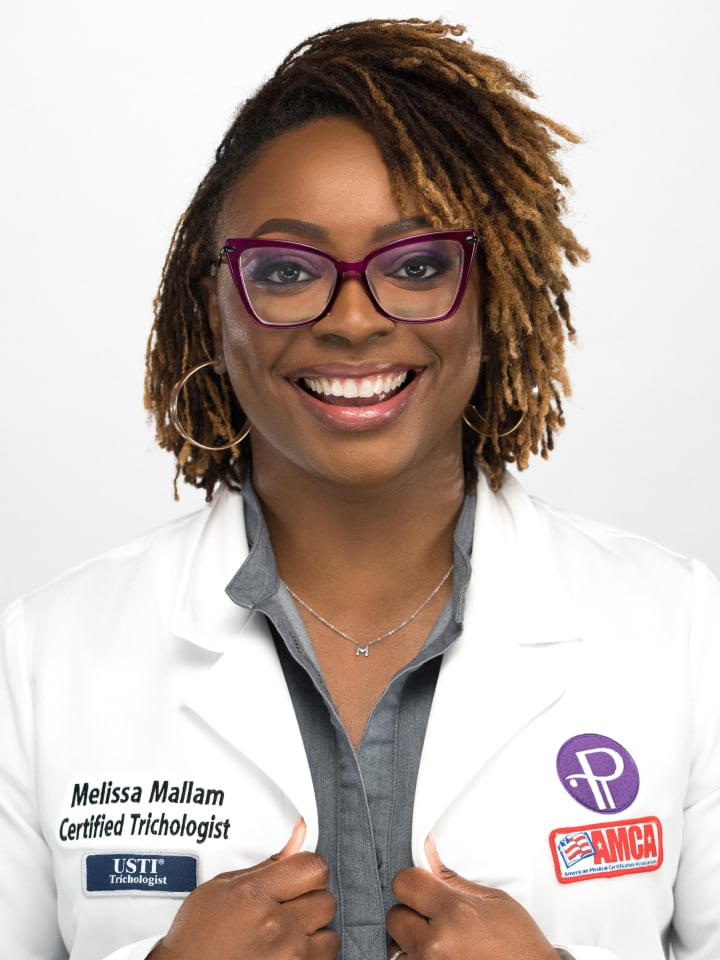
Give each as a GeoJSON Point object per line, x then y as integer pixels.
{"type": "Point", "coordinates": [218, 261]}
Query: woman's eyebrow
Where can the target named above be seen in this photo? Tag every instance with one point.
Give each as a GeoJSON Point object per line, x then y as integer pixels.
{"type": "Point", "coordinates": [315, 232]}
{"type": "Point", "coordinates": [388, 230]}
{"type": "Point", "coordinates": [289, 225]}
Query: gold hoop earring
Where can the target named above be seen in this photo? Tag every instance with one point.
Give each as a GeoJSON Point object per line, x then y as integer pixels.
{"type": "Point", "coordinates": [175, 417]}
{"type": "Point", "coordinates": [472, 417]}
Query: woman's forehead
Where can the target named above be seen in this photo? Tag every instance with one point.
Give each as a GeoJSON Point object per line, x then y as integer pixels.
{"type": "Point", "coordinates": [329, 175]}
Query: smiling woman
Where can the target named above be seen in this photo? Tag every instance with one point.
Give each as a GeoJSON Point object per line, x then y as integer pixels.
{"type": "Point", "coordinates": [498, 176]}
{"type": "Point", "coordinates": [371, 641]}
{"type": "Point", "coordinates": [351, 344]}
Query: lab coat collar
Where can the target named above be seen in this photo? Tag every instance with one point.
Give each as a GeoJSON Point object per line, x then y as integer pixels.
{"type": "Point", "coordinates": [203, 613]}
{"type": "Point", "coordinates": [516, 570]}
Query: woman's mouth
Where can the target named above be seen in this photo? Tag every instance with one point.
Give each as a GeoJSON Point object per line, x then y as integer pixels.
{"type": "Point", "coordinates": [357, 391]}
{"type": "Point", "coordinates": [362, 402]}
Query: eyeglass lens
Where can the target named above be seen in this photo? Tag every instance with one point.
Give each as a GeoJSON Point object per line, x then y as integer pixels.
{"type": "Point", "coordinates": [413, 282]}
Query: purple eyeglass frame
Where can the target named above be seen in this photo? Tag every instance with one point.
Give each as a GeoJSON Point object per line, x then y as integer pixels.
{"type": "Point", "coordinates": [235, 246]}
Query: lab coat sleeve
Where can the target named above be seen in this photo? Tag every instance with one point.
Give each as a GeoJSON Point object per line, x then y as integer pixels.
{"type": "Point", "coordinates": [28, 913]}
{"type": "Point", "coordinates": [696, 918]}
{"type": "Point", "coordinates": [695, 933]}
{"type": "Point", "coordinates": [28, 897]}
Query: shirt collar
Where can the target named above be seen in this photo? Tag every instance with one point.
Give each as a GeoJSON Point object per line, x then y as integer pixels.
{"type": "Point", "coordinates": [258, 577]}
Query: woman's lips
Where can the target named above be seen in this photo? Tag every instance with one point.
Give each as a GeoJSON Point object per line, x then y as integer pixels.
{"type": "Point", "coordinates": [358, 402]}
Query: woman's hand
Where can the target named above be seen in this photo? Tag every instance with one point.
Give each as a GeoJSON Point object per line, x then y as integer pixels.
{"type": "Point", "coordinates": [277, 909]}
{"type": "Point", "coordinates": [444, 917]}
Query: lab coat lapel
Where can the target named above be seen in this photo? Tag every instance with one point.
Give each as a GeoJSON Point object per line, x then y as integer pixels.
{"type": "Point", "coordinates": [509, 663]}
{"type": "Point", "coordinates": [243, 695]}
{"type": "Point", "coordinates": [244, 698]}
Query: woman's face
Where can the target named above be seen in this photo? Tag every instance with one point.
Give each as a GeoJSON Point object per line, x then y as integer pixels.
{"type": "Point", "coordinates": [325, 184]}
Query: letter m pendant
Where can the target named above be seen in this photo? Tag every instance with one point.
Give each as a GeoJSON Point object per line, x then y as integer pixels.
{"type": "Point", "coordinates": [362, 650]}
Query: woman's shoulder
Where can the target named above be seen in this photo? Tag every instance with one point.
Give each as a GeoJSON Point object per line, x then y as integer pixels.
{"type": "Point", "coordinates": [617, 563]}
{"type": "Point", "coordinates": [156, 558]}
{"type": "Point", "coordinates": [585, 548]}
{"type": "Point", "coordinates": [603, 535]}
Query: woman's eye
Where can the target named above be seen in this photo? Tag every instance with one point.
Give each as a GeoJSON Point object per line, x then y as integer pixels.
{"type": "Point", "coordinates": [281, 272]}
{"type": "Point", "coordinates": [420, 267]}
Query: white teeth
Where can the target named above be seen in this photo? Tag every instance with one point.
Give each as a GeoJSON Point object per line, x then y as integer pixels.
{"type": "Point", "coordinates": [351, 387]}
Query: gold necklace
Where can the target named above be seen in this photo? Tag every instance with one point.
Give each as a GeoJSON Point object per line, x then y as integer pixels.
{"type": "Point", "coordinates": [359, 648]}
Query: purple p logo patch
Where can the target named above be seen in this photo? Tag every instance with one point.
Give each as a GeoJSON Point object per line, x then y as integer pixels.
{"type": "Point", "coordinates": [598, 772]}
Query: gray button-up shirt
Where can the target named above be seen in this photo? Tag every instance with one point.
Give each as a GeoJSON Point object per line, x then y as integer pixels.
{"type": "Point", "coordinates": [364, 798]}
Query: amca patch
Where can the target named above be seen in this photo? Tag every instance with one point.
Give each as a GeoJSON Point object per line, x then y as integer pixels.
{"type": "Point", "coordinates": [607, 849]}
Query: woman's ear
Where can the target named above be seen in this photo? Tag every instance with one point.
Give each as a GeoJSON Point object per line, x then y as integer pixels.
{"type": "Point", "coordinates": [214, 321]}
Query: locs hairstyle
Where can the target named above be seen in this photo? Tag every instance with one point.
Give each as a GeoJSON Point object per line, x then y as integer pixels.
{"type": "Point", "coordinates": [455, 126]}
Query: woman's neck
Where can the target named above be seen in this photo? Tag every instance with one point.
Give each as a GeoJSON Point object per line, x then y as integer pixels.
{"type": "Point", "coordinates": [325, 534]}
{"type": "Point", "coordinates": [362, 562]}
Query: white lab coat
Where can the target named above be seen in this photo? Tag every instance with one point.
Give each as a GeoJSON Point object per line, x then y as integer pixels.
{"type": "Point", "coordinates": [136, 671]}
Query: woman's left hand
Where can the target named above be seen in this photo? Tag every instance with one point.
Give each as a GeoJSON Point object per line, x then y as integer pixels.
{"type": "Point", "coordinates": [442, 916]}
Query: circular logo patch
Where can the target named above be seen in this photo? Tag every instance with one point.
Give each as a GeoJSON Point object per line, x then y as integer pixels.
{"type": "Point", "coordinates": [598, 772]}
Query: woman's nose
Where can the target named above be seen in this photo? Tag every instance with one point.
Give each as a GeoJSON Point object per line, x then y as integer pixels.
{"type": "Point", "coordinates": [353, 316]}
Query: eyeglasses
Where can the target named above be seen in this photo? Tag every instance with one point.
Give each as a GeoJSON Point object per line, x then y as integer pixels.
{"type": "Point", "coordinates": [419, 279]}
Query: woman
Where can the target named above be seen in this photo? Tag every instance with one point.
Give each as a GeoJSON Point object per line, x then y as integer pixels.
{"type": "Point", "coordinates": [471, 725]}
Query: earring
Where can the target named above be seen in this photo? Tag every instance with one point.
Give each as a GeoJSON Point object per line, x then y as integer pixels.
{"type": "Point", "coordinates": [473, 418]}
{"type": "Point", "coordinates": [175, 417]}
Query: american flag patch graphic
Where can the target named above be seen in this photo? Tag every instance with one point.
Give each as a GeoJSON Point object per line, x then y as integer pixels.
{"type": "Point", "coordinates": [574, 847]}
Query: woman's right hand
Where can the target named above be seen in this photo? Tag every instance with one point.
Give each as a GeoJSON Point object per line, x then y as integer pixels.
{"type": "Point", "coordinates": [277, 909]}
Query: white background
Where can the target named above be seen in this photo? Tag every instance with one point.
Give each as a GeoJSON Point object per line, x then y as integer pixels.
{"type": "Point", "coordinates": [111, 113]}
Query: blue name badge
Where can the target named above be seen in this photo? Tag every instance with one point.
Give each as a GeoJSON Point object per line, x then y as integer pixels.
{"type": "Point", "coordinates": [165, 875]}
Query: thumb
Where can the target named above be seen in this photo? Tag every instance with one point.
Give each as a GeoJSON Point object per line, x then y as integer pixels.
{"type": "Point", "coordinates": [294, 844]}
{"type": "Point", "coordinates": [444, 873]}
{"type": "Point", "coordinates": [436, 864]}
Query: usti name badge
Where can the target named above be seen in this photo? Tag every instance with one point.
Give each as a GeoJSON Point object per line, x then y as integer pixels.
{"type": "Point", "coordinates": [165, 875]}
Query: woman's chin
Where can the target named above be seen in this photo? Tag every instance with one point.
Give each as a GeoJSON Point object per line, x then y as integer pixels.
{"type": "Point", "coordinates": [359, 461]}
